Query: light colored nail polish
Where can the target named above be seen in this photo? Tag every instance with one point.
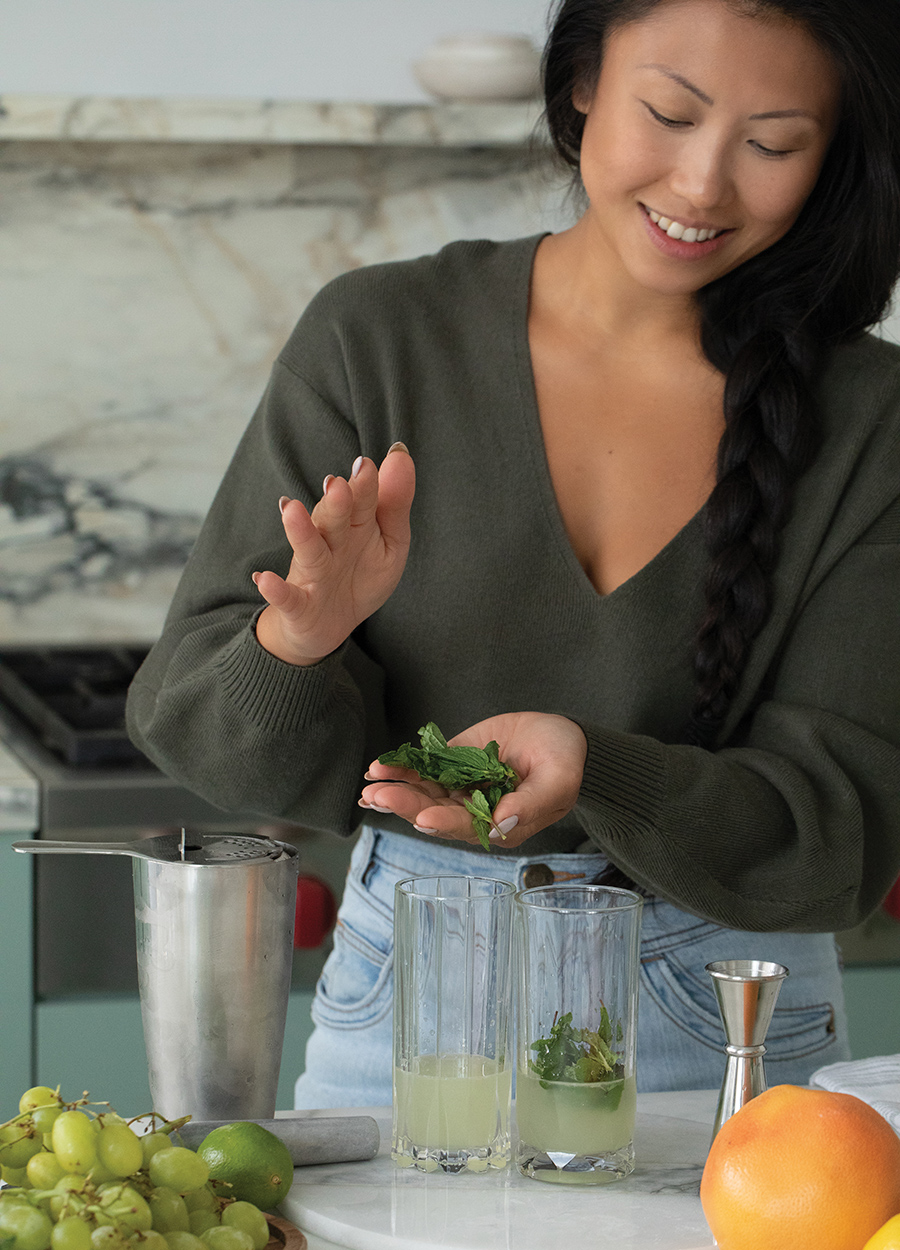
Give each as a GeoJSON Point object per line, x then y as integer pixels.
{"type": "Point", "coordinates": [357, 465]}
{"type": "Point", "coordinates": [422, 829]}
{"type": "Point", "coordinates": [504, 826]}
{"type": "Point", "coordinates": [495, 836]}
{"type": "Point", "coordinates": [283, 502]}
{"type": "Point", "coordinates": [372, 777]}
{"type": "Point", "coordinates": [387, 811]}
{"type": "Point", "coordinates": [327, 482]}
{"type": "Point", "coordinates": [254, 577]}
{"type": "Point", "coordinates": [398, 447]}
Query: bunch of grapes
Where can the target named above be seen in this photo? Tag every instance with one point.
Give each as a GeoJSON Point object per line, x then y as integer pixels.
{"type": "Point", "coordinates": [76, 1179]}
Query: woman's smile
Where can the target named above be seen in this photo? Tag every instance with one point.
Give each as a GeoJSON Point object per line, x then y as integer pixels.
{"type": "Point", "coordinates": [683, 240]}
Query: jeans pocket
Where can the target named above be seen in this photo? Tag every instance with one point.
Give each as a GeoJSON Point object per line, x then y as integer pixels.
{"type": "Point", "coordinates": [355, 989]}
{"type": "Point", "coordinates": [684, 994]}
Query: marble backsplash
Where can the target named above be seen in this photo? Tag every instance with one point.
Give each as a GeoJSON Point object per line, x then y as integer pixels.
{"type": "Point", "coordinates": [147, 285]}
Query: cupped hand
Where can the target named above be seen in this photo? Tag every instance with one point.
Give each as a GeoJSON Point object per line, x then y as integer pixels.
{"type": "Point", "coordinates": [348, 556]}
{"type": "Point", "coordinates": [548, 754]}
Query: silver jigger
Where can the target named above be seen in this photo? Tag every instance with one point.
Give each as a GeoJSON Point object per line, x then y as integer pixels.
{"type": "Point", "coordinates": [746, 991]}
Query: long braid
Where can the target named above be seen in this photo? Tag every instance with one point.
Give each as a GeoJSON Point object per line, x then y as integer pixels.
{"type": "Point", "coordinates": [769, 440]}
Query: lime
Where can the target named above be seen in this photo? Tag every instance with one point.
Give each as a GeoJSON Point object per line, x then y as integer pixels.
{"type": "Point", "coordinates": [255, 1162]}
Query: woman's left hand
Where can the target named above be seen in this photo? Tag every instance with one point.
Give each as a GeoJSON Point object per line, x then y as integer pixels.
{"type": "Point", "coordinates": [548, 754]}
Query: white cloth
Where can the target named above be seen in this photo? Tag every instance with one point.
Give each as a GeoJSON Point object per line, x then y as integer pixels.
{"type": "Point", "coordinates": [876, 1081]}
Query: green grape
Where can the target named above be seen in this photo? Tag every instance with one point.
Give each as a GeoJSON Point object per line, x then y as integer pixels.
{"type": "Point", "coordinates": [18, 1143]}
{"type": "Point", "coordinates": [30, 1227]}
{"type": "Point", "coordinates": [38, 1096]}
{"type": "Point", "coordinates": [202, 1220]}
{"type": "Point", "coordinates": [106, 1237]}
{"type": "Point", "coordinates": [183, 1241]}
{"type": "Point", "coordinates": [178, 1168]}
{"type": "Point", "coordinates": [125, 1206]}
{"type": "Point", "coordinates": [44, 1169]}
{"type": "Point", "coordinates": [12, 1196]}
{"type": "Point", "coordinates": [152, 1241]}
{"type": "Point", "coordinates": [200, 1199]}
{"type": "Point", "coordinates": [225, 1238]}
{"type": "Point", "coordinates": [45, 1117]}
{"type": "Point", "coordinates": [15, 1176]}
{"type": "Point", "coordinates": [170, 1215]}
{"type": "Point", "coordinates": [151, 1144]}
{"type": "Point", "coordinates": [250, 1220]}
{"type": "Point", "coordinates": [74, 1142]}
{"type": "Point", "coordinates": [70, 1233]}
{"type": "Point", "coordinates": [119, 1149]}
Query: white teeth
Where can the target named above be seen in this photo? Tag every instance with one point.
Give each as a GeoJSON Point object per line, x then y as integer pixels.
{"type": "Point", "coordinates": [675, 230]}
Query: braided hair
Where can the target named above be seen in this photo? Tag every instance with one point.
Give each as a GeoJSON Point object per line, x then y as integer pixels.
{"type": "Point", "coordinates": [767, 324]}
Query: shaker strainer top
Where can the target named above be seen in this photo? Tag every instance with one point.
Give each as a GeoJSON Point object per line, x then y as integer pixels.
{"type": "Point", "coordinates": [214, 849]}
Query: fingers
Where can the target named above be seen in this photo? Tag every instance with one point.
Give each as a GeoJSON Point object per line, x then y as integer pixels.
{"type": "Point", "coordinates": [396, 488]}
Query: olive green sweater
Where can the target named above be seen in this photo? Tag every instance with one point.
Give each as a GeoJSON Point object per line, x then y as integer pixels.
{"type": "Point", "coordinates": [793, 822]}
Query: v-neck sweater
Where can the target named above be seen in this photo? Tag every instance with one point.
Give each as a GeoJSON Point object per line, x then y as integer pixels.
{"type": "Point", "coordinates": [791, 822]}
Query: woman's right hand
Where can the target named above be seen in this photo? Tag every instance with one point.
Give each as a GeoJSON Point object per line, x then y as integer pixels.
{"type": "Point", "coordinates": [349, 554]}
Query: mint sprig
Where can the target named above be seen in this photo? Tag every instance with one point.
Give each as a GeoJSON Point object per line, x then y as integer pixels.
{"type": "Point", "coordinates": [478, 771]}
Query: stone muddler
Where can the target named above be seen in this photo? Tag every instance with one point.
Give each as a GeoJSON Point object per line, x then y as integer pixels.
{"type": "Point", "coordinates": [310, 1139]}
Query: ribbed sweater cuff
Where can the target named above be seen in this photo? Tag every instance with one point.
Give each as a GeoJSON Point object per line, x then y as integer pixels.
{"type": "Point", "coordinates": [280, 698]}
{"type": "Point", "coordinates": [624, 780]}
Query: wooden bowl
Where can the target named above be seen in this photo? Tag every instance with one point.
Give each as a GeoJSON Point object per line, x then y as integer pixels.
{"type": "Point", "coordinates": [284, 1234]}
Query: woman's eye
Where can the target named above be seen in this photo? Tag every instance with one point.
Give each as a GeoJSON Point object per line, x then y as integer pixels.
{"type": "Point", "coordinates": [772, 152]}
{"type": "Point", "coordinates": [662, 119]}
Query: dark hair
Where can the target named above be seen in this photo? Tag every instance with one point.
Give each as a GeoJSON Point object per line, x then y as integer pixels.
{"type": "Point", "coordinates": [767, 324]}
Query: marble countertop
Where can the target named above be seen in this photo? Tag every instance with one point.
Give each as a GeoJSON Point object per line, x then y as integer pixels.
{"type": "Point", "coordinates": [202, 120]}
{"type": "Point", "coordinates": [375, 1206]}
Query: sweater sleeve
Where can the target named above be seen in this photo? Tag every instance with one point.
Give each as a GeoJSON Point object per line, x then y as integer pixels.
{"type": "Point", "coordinates": [210, 706]}
{"type": "Point", "coordinates": [795, 823]}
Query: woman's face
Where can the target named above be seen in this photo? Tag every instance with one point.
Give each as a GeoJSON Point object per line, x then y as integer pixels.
{"type": "Point", "coordinates": [703, 139]}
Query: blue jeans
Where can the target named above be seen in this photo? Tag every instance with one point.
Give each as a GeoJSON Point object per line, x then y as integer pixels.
{"type": "Point", "coordinates": [680, 1037]}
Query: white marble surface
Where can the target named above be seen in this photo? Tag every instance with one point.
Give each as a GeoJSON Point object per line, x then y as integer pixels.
{"type": "Point", "coordinates": [375, 1206]}
{"type": "Point", "coordinates": [199, 120]}
{"type": "Point", "coordinates": [148, 286]}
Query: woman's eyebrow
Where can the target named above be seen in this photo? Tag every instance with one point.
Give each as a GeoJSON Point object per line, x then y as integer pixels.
{"type": "Point", "coordinates": [701, 95]}
{"type": "Point", "coordinates": [680, 78]}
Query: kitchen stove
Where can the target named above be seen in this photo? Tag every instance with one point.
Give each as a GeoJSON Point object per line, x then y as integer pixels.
{"type": "Point", "coordinates": [62, 713]}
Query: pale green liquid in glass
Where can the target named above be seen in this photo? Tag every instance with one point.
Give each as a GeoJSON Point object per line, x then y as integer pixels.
{"type": "Point", "coordinates": [575, 1117]}
{"type": "Point", "coordinates": [452, 1102]}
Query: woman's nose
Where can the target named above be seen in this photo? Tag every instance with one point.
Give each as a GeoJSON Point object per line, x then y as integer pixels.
{"type": "Point", "coordinates": [702, 175]}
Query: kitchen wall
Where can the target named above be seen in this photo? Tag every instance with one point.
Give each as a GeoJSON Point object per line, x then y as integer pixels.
{"type": "Point", "coordinates": [294, 49]}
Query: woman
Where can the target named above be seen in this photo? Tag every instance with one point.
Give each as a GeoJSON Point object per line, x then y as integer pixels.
{"type": "Point", "coordinates": [653, 548]}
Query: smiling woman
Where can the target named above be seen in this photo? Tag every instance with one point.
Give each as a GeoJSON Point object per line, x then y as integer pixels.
{"type": "Point", "coordinates": [654, 547]}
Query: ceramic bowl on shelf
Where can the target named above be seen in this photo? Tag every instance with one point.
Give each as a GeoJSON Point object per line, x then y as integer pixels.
{"type": "Point", "coordinates": [480, 66]}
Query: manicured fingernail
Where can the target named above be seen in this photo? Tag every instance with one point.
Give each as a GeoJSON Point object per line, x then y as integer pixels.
{"type": "Point", "coordinates": [254, 577]}
{"type": "Point", "coordinates": [362, 803]}
{"type": "Point", "coordinates": [422, 829]}
{"type": "Point", "coordinates": [398, 447]}
{"type": "Point", "coordinates": [357, 465]}
{"type": "Point", "coordinates": [328, 480]}
{"type": "Point", "coordinates": [371, 777]}
{"type": "Point", "coordinates": [283, 502]}
{"type": "Point", "coordinates": [495, 836]}
{"type": "Point", "coordinates": [504, 826]}
{"type": "Point", "coordinates": [387, 811]}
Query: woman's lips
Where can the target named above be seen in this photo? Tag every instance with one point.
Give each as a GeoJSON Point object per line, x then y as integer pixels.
{"type": "Point", "coordinates": [678, 248]}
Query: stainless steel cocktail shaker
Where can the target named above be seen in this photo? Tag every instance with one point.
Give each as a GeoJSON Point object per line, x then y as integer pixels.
{"type": "Point", "coordinates": [214, 948]}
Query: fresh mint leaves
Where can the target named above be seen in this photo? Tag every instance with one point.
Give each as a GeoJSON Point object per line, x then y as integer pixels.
{"type": "Point", "coordinates": [581, 1055]}
{"type": "Point", "coordinates": [480, 772]}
